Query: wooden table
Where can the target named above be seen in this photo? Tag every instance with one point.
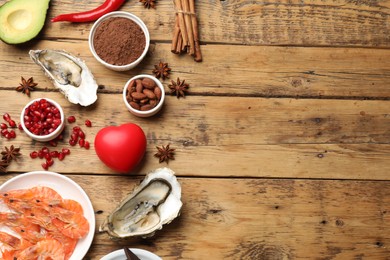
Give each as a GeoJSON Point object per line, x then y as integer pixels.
{"type": "Point", "coordinates": [282, 144]}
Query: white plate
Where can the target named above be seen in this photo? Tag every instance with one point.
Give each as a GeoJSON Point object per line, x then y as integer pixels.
{"type": "Point", "coordinates": [120, 255]}
{"type": "Point", "coordinates": [68, 189]}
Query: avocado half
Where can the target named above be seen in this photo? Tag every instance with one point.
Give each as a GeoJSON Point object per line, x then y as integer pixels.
{"type": "Point", "coordinates": [22, 20]}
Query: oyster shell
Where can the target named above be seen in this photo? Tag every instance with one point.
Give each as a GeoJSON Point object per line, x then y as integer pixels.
{"type": "Point", "coordinates": [155, 202]}
{"type": "Point", "coordinates": [69, 74]}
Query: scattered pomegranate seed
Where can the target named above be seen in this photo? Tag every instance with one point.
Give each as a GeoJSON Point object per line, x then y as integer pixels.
{"type": "Point", "coordinates": [34, 154]}
{"type": "Point", "coordinates": [4, 132]}
{"type": "Point", "coordinates": [49, 162]}
{"type": "Point", "coordinates": [61, 156]}
{"type": "Point", "coordinates": [40, 154]}
{"type": "Point", "coordinates": [3, 126]}
{"type": "Point", "coordinates": [48, 156]}
{"type": "Point", "coordinates": [45, 166]}
{"type": "Point", "coordinates": [81, 142]}
{"type": "Point", "coordinates": [12, 123]}
{"type": "Point", "coordinates": [71, 119]}
{"type": "Point", "coordinates": [72, 142]}
{"type": "Point", "coordinates": [12, 134]}
{"type": "Point", "coordinates": [20, 127]}
{"type": "Point", "coordinates": [6, 117]}
{"type": "Point", "coordinates": [86, 145]}
{"type": "Point", "coordinates": [45, 150]}
{"type": "Point", "coordinates": [66, 151]}
{"type": "Point", "coordinates": [81, 134]}
{"type": "Point", "coordinates": [53, 143]}
{"type": "Point", "coordinates": [54, 154]}
{"type": "Point", "coordinates": [88, 123]}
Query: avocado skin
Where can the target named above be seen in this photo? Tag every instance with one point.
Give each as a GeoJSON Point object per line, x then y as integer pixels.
{"type": "Point", "coordinates": [22, 20]}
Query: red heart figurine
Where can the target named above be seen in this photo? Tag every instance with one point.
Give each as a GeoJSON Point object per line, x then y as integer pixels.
{"type": "Point", "coordinates": [121, 147]}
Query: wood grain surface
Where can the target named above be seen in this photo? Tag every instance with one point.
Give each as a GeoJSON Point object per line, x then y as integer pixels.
{"type": "Point", "coordinates": [282, 143]}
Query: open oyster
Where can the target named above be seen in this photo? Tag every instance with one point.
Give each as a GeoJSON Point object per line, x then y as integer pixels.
{"type": "Point", "coordinates": [69, 74]}
{"type": "Point", "coordinates": [155, 202]}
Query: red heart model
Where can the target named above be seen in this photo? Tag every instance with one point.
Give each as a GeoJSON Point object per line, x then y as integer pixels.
{"type": "Point", "coordinates": [121, 147]}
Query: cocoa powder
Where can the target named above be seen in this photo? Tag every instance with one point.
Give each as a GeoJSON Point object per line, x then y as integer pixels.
{"type": "Point", "coordinates": [119, 41]}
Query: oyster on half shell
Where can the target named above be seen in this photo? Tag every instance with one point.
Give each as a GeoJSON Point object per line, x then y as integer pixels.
{"type": "Point", "coordinates": [69, 74]}
{"type": "Point", "coordinates": [155, 202]}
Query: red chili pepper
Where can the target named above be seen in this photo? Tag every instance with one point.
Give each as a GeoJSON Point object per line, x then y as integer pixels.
{"type": "Point", "coordinates": [92, 15]}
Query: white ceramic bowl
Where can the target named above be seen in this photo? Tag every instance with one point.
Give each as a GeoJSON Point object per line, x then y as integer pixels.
{"type": "Point", "coordinates": [51, 136]}
{"type": "Point", "coordinates": [152, 111]}
{"type": "Point", "coordinates": [127, 15]}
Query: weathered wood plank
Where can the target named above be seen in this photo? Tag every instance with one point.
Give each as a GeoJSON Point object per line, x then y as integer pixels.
{"type": "Point", "coordinates": [235, 136]}
{"type": "Point", "coordinates": [308, 23]}
{"type": "Point", "coordinates": [259, 219]}
{"type": "Point", "coordinates": [233, 70]}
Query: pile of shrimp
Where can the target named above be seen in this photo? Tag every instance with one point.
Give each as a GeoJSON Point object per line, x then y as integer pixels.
{"type": "Point", "coordinates": [46, 225]}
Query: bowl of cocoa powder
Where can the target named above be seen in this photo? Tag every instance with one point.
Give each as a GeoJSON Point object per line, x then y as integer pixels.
{"type": "Point", "coordinates": [119, 40]}
{"type": "Point", "coordinates": [143, 95]}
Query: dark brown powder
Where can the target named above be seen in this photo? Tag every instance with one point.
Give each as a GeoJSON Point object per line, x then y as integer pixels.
{"type": "Point", "coordinates": [119, 41]}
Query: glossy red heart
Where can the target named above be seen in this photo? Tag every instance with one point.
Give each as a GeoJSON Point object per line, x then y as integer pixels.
{"type": "Point", "coordinates": [121, 147]}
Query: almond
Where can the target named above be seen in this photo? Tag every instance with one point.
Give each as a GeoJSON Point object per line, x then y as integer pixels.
{"type": "Point", "coordinates": [134, 105]}
{"type": "Point", "coordinates": [157, 92]}
{"type": "Point", "coordinates": [138, 96]}
{"type": "Point", "coordinates": [149, 93]}
{"type": "Point", "coordinates": [148, 83]}
{"type": "Point", "coordinates": [146, 107]}
{"type": "Point", "coordinates": [139, 86]}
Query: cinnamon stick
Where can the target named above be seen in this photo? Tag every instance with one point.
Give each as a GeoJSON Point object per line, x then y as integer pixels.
{"type": "Point", "coordinates": [176, 33]}
{"type": "Point", "coordinates": [198, 54]}
{"type": "Point", "coordinates": [182, 25]}
{"type": "Point", "coordinates": [188, 23]}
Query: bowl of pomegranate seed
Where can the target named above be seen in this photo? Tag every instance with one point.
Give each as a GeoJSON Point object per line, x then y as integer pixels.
{"type": "Point", "coordinates": [42, 119]}
{"type": "Point", "coordinates": [143, 95]}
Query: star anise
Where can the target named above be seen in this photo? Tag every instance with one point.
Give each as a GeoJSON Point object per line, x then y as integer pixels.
{"type": "Point", "coordinates": [26, 86]}
{"type": "Point", "coordinates": [165, 153]}
{"type": "Point", "coordinates": [179, 88]}
{"type": "Point", "coordinates": [3, 166]}
{"type": "Point", "coordinates": [161, 70]}
{"type": "Point", "coordinates": [148, 3]}
{"type": "Point", "coordinates": [10, 154]}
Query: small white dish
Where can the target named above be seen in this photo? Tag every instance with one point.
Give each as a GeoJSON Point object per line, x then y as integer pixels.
{"type": "Point", "coordinates": [68, 189]}
{"type": "Point", "coordinates": [49, 137]}
{"type": "Point", "coordinates": [152, 111]}
{"type": "Point", "coordinates": [141, 253]}
{"type": "Point", "coordinates": [127, 15]}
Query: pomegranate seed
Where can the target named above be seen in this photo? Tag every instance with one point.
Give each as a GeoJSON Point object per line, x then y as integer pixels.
{"type": "Point", "coordinates": [45, 150]}
{"type": "Point", "coordinates": [45, 166]}
{"type": "Point", "coordinates": [86, 145]}
{"type": "Point", "coordinates": [81, 134]}
{"type": "Point", "coordinates": [49, 162]}
{"type": "Point", "coordinates": [4, 132]}
{"type": "Point", "coordinates": [40, 154]}
{"type": "Point", "coordinates": [76, 129]}
{"type": "Point", "coordinates": [88, 123]}
{"type": "Point", "coordinates": [20, 127]}
{"type": "Point", "coordinates": [53, 143]}
{"type": "Point", "coordinates": [66, 151]}
{"type": "Point", "coordinates": [6, 117]}
{"type": "Point", "coordinates": [3, 126]}
{"type": "Point", "coordinates": [81, 142]}
{"type": "Point", "coordinates": [12, 123]}
{"type": "Point", "coordinates": [48, 156]}
{"type": "Point", "coordinates": [54, 154]}
{"type": "Point", "coordinates": [12, 134]}
{"type": "Point", "coordinates": [34, 155]}
{"type": "Point", "coordinates": [71, 119]}
{"type": "Point", "coordinates": [61, 156]}
{"type": "Point", "coordinates": [60, 137]}
{"type": "Point", "coordinates": [72, 142]}
{"type": "Point", "coordinates": [8, 136]}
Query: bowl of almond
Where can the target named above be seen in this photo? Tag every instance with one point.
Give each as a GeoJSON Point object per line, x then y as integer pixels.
{"type": "Point", "coordinates": [144, 95]}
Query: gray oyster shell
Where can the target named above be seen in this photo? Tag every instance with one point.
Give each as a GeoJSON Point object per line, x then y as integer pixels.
{"type": "Point", "coordinates": [155, 202]}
